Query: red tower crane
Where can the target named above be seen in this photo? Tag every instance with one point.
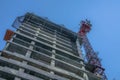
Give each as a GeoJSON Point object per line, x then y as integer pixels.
{"type": "Point", "coordinates": [91, 55]}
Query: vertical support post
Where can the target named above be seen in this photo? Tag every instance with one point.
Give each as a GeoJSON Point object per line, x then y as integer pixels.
{"type": "Point", "coordinates": [53, 55]}
{"type": "Point", "coordinates": [78, 48]}
{"type": "Point", "coordinates": [85, 76]}
{"type": "Point", "coordinates": [0, 53]}
{"type": "Point", "coordinates": [28, 54]}
{"type": "Point", "coordinates": [20, 69]}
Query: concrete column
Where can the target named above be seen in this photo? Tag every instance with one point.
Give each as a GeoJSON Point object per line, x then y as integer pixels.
{"type": "Point", "coordinates": [20, 69]}
{"type": "Point", "coordinates": [85, 76]}
{"type": "Point", "coordinates": [78, 48]}
{"type": "Point", "coordinates": [0, 53]}
{"type": "Point", "coordinates": [28, 54]}
{"type": "Point", "coordinates": [37, 32]}
{"type": "Point", "coordinates": [53, 55]}
{"type": "Point", "coordinates": [30, 47]}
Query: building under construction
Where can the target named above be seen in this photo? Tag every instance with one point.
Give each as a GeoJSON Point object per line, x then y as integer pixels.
{"type": "Point", "coordinates": [42, 50]}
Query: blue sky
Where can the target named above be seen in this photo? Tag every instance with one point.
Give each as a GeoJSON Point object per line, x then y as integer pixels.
{"type": "Point", "coordinates": [103, 14]}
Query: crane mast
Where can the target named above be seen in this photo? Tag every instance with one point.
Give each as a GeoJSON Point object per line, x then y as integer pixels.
{"type": "Point", "coordinates": [91, 55]}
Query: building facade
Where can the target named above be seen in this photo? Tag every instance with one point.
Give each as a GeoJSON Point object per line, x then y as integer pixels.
{"type": "Point", "coordinates": [42, 50]}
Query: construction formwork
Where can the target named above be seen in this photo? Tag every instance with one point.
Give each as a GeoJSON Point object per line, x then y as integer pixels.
{"type": "Point", "coordinates": [42, 50]}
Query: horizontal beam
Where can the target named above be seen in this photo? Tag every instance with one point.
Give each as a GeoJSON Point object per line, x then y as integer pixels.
{"type": "Point", "coordinates": [18, 74]}
{"type": "Point", "coordinates": [50, 46]}
{"type": "Point", "coordinates": [52, 68]}
{"type": "Point", "coordinates": [31, 68]}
